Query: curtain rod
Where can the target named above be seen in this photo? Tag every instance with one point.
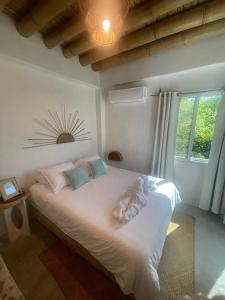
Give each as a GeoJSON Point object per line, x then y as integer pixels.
{"type": "Point", "coordinates": [192, 92]}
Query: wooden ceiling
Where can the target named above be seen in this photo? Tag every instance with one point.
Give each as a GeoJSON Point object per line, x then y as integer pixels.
{"type": "Point", "coordinates": [151, 26]}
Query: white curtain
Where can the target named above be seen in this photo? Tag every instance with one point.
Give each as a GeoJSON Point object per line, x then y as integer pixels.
{"type": "Point", "coordinates": [213, 192]}
{"type": "Point", "coordinates": [165, 135]}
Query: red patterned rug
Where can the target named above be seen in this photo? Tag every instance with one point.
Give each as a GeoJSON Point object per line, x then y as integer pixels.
{"type": "Point", "coordinates": [77, 279]}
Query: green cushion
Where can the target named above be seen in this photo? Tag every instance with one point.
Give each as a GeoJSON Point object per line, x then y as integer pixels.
{"type": "Point", "coordinates": [77, 177]}
{"type": "Point", "coordinates": [97, 167]}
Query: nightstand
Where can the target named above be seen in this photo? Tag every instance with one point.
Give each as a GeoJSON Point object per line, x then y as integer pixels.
{"type": "Point", "coordinates": [15, 215]}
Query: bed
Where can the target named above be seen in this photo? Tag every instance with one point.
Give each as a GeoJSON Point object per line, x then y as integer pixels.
{"type": "Point", "coordinates": [131, 252]}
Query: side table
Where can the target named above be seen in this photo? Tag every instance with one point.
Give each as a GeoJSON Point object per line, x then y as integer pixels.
{"type": "Point", "coordinates": [15, 215]}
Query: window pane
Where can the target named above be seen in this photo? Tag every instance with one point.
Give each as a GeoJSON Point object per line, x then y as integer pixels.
{"type": "Point", "coordinates": [204, 128]}
{"type": "Point", "coordinates": [184, 125]}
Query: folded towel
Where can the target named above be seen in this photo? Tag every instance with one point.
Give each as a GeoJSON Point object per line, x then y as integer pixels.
{"type": "Point", "coordinates": [134, 199]}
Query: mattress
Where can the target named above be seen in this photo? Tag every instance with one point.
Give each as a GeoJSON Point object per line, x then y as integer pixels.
{"type": "Point", "coordinates": [130, 251]}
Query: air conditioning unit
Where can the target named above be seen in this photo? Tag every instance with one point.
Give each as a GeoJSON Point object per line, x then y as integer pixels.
{"type": "Point", "coordinates": [137, 94]}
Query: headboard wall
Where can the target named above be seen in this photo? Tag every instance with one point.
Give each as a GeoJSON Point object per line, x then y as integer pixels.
{"type": "Point", "coordinates": [26, 94]}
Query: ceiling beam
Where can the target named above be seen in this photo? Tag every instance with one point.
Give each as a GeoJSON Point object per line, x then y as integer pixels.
{"type": "Point", "coordinates": [177, 40]}
{"type": "Point", "coordinates": [137, 18]}
{"type": "Point", "coordinates": [40, 15]}
{"type": "Point", "coordinates": [3, 4]}
{"type": "Point", "coordinates": [68, 31]}
{"type": "Point", "coordinates": [202, 14]}
{"type": "Point", "coordinates": [78, 46]}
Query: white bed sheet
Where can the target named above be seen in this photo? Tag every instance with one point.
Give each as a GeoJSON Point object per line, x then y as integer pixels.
{"type": "Point", "coordinates": [130, 251]}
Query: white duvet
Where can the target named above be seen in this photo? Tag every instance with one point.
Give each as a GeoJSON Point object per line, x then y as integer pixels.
{"type": "Point", "coordinates": [130, 251]}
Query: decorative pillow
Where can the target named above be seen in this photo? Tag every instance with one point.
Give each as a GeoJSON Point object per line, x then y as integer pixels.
{"type": "Point", "coordinates": [84, 164]}
{"type": "Point", "coordinates": [97, 167]}
{"type": "Point", "coordinates": [54, 176]}
{"type": "Point", "coordinates": [77, 177]}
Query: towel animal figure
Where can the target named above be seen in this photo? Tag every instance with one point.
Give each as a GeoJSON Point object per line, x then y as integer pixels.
{"type": "Point", "coordinates": [135, 198]}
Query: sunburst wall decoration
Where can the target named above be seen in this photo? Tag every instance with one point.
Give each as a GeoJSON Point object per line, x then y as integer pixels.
{"type": "Point", "coordinates": [59, 128]}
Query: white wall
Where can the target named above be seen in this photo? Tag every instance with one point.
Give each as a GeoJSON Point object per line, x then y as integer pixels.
{"type": "Point", "coordinates": [100, 112]}
{"type": "Point", "coordinates": [130, 127]}
{"type": "Point", "coordinates": [199, 54]}
{"type": "Point", "coordinates": [27, 93]}
{"type": "Point", "coordinates": [189, 178]}
{"type": "Point", "coordinates": [33, 50]}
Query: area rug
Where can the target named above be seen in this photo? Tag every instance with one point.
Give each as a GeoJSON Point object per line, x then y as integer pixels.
{"type": "Point", "coordinates": [79, 280]}
{"type": "Point", "coordinates": [177, 265]}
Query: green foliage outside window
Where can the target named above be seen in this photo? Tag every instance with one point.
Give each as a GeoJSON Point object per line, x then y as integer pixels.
{"type": "Point", "coordinates": [184, 126]}
{"type": "Point", "coordinates": [198, 140]}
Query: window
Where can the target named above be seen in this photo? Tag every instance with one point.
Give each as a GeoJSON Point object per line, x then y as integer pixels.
{"type": "Point", "coordinates": [197, 115]}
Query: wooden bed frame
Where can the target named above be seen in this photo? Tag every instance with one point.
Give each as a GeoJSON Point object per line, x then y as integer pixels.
{"type": "Point", "coordinates": [74, 245]}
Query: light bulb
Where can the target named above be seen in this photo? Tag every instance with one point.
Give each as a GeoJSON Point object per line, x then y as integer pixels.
{"type": "Point", "coordinates": [106, 25]}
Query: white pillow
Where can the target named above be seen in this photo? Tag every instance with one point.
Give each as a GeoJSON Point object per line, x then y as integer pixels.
{"type": "Point", "coordinates": [83, 163]}
{"type": "Point", "coordinates": [54, 176]}
{"type": "Point", "coordinates": [38, 177]}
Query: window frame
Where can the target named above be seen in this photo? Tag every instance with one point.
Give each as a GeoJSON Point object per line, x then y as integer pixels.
{"type": "Point", "coordinates": [197, 96]}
